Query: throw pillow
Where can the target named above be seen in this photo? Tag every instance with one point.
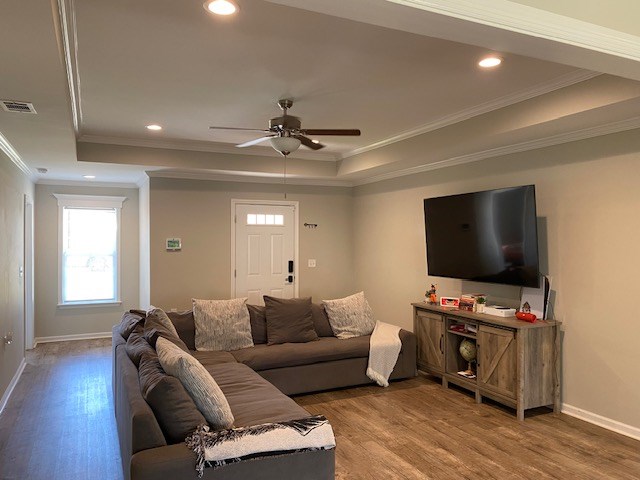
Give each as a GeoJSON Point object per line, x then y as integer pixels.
{"type": "Point", "coordinates": [157, 325]}
{"type": "Point", "coordinates": [222, 324]}
{"type": "Point", "coordinates": [289, 320]}
{"type": "Point", "coordinates": [174, 409]}
{"type": "Point", "coordinates": [258, 324]}
{"type": "Point", "coordinates": [185, 326]}
{"type": "Point", "coordinates": [137, 346]}
{"type": "Point", "coordinates": [321, 321]}
{"type": "Point", "coordinates": [350, 316]}
{"type": "Point", "coordinates": [199, 383]}
{"type": "Point", "coordinates": [129, 322]}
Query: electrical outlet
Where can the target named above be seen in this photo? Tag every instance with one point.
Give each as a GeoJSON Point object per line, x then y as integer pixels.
{"type": "Point", "coordinates": [311, 263]}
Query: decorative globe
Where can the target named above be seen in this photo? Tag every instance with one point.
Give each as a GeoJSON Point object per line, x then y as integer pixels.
{"type": "Point", "coordinates": [468, 350]}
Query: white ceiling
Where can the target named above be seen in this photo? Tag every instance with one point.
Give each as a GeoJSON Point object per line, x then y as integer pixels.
{"type": "Point", "coordinates": [168, 62]}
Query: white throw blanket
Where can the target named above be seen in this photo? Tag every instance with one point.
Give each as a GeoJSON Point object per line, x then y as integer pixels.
{"type": "Point", "coordinates": [384, 348]}
{"type": "Point", "coordinates": [223, 447]}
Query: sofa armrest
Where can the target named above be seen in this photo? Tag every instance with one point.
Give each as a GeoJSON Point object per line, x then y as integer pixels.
{"type": "Point", "coordinates": [407, 360]}
{"type": "Point", "coordinates": [177, 462]}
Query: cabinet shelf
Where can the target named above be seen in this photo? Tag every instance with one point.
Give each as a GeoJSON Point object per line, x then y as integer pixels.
{"type": "Point", "coordinates": [463, 334]}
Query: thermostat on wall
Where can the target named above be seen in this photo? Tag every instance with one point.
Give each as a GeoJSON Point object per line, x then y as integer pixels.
{"type": "Point", "coordinates": [174, 244]}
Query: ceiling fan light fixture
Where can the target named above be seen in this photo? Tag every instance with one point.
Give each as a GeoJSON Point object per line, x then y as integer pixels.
{"type": "Point", "coordinates": [220, 7]}
{"type": "Point", "coordinates": [285, 144]}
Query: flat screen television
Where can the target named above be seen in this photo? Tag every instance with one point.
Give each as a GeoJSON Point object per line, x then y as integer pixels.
{"type": "Point", "coordinates": [488, 236]}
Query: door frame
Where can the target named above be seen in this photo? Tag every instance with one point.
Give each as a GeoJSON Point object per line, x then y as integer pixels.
{"type": "Point", "coordinates": [296, 236]}
{"type": "Point", "coordinates": [28, 271]}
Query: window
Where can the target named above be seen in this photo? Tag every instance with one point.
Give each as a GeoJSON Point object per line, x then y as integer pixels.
{"type": "Point", "coordinates": [264, 219]}
{"type": "Point", "coordinates": [89, 244]}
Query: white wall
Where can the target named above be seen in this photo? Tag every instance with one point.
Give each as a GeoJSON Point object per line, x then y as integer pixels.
{"type": "Point", "coordinates": [588, 199]}
{"type": "Point", "coordinates": [53, 321]}
{"type": "Point", "coordinates": [199, 212]}
{"type": "Point", "coordinates": [14, 185]}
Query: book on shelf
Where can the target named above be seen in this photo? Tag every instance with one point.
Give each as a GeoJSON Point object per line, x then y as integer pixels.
{"type": "Point", "coordinates": [467, 374]}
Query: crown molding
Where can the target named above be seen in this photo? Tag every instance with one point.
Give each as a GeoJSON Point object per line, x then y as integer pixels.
{"type": "Point", "coordinates": [275, 179]}
{"type": "Point", "coordinates": [583, 134]}
{"type": "Point", "coordinates": [534, 22]}
{"type": "Point", "coordinates": [67, 17]}
{"type": "Point", "coordinates": [87, 184]}
{"type": "Point", "coordinates": [501, 102]}
{"type": "Point", "coordinates": [13, 155]}
{"type": "Point", "coordinates": [199, 146]}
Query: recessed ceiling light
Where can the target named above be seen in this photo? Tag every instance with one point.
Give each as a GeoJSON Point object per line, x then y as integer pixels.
{"type": "Point", "coordinates": [490, 62]}
{"type": "Point", "coordinates": [154, 127]}
{"type": "Point", "coordinates": [89, 177]}
{"type": "Point", "coordinates": [315, 141]}
{"type": "Point", "coordinates": [220, 7]}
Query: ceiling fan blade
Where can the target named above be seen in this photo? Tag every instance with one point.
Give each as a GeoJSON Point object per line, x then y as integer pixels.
{"type": "Point", "coordinates": [241, 129]}
{"type": "Point", "coordinates": [307, 142]}
{"type": "Point", "coordinates": [326, 131]}
{"type": "Point", "coordinates": [254, 142]}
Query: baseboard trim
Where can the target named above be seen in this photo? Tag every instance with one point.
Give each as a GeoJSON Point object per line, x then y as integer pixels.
{"type": "Point", "coordinates": [66, 338]}
{"type": "Point", "coordinates": [604, 422]}
{"type": "Point", "coordinates": [12, 384]}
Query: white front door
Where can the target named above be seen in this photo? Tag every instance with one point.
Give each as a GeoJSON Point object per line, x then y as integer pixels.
{"type": "Point", "coordinates": [265, 260]}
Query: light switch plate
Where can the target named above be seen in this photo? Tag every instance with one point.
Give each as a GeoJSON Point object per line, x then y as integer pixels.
{"type": "Point", "coordinates": [311, 263]}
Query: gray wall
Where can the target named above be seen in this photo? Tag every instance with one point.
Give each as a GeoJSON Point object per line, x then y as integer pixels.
{"type": "Point", "coordinates": [14, 185]}
{"type": "Point", "coordinates": [53, 321]}
{"type": "Point", "coordinates": [588, 199]}
{"type": "Point", "coordinates": [199, 212]}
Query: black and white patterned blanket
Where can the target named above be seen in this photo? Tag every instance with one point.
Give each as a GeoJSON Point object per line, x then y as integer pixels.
{"type": "Point", "coordinates": [216, 449]}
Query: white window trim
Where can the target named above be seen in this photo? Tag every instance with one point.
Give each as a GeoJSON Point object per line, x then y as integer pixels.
{"type": "Point", "coordinates": [89, 201]}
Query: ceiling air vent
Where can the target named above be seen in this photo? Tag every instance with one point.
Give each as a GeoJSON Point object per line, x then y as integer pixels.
{"type": "Point", "coordinates": [19, 107]}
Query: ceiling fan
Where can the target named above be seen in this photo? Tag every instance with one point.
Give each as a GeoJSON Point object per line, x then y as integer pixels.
{"type": "Point", "coordinates": [285, 133]}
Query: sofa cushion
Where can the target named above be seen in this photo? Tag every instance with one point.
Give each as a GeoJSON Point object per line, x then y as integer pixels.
{"type": "Point", "coordinates": [213, 358]}
{"type": "Point", "coordinates": [253, 400]}
{"type": "Point", "coordinates": [326, 349]}
{"type": "Point", "coordinates": [174, 409]}
{"type": "Point", "coordinates": [157, 325]}
{"type": "Point", "coordinates": [137, 346]}
{"type": "Point", "coordinates": [289, 320]}
{"type": "Point", "coordinates": [321, 321]}
{"type": "Point", "coordinates": [185, 326]}
{"type": "Point", "coordinates": [129, 322]}
{"type": "Point", "coordinates": [197, 381]}
{"type": "Point", "coordinates": [350, 316]}
{"type": "Point", "coordinates": [222, 324]}
{"type": "Point", "coordinates": [258, 322]}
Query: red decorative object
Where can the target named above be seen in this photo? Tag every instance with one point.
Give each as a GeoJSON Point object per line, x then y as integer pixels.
{"type": "Point", "coordinates": [527, 317]}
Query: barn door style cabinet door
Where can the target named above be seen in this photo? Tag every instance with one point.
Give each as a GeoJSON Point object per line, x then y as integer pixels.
{"type": "Point", "coordinates": [497, 361]}
{"type": "Point", "coordinates": [516, 362]}
{"type": "Point", "coordinates": [430, 327]}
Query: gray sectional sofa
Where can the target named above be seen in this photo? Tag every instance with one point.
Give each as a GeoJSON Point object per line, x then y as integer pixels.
{"type": "Point", "coordinates": [256, 382]}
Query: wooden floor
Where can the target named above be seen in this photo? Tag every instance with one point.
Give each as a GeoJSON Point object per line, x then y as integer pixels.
{"type": "Point", "coordinates": [59, 425]}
